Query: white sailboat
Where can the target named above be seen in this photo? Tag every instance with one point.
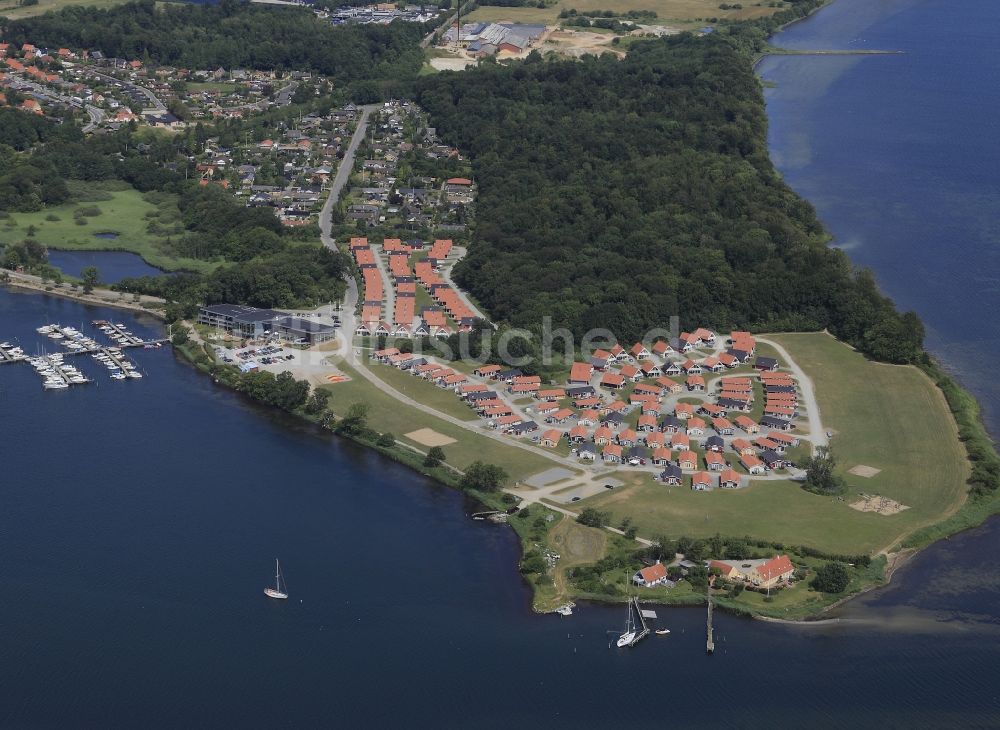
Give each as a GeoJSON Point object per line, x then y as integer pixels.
{"type": "Point", "coordinates": [628, 636]}
{"type": "Point", "coordinates": [277, 591]}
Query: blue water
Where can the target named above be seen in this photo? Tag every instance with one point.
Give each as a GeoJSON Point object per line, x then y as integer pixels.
{"type": "Point", "coordinates": [113, 266]}
{"type": "Point", "coordinates": [899, 155]}
{"type": "Point", "coordinates": [140, 519]}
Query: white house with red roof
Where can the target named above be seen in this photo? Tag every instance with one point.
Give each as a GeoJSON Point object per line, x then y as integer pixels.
{"type": "Point", "coordinates": [652, 576]}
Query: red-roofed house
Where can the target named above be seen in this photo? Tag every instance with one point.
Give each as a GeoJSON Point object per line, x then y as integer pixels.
{"type": "Point", "coordinates": [580, 373]}
{"type": "Point", "coordinates": [612, 454]}
{"type": "Point", "coordinates": [778, 569]}
{"type": "Point", "coordinates": [551, 438]}
{"type": "Point", "coordinates": [752, 464]}
{"type": "Point", "coordinates": [729, 479]}
{"type": "Point", "coordinates": [613, 381]}
{"type": "Point", "coordinates": [652, 576]}
{"type": "Point", "coordinates": [701, 481]}
{"type": "Point", "coordinates": [715, 461]}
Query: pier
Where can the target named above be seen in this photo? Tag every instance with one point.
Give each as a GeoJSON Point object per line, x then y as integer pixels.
{"type": "Point", "coordinates": [11, 353]}
{"type": "Point", "coordinates": [710, 643]}
{"type": "Point", "coordinates": [57, 373]}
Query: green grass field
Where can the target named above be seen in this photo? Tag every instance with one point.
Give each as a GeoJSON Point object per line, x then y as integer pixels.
{"type": "Point", "coordinates": [124, 214]}
{"type": "Point", "coordinates": [887, 417]}
{"type": "Point", "coordinates": [224, 87]}
{"type": "Point", "coordinates": [444, 401]}
{"type": "Point", "coordinates": [387, 414]}
{"type": "Point", "coordinates": [12, 11]}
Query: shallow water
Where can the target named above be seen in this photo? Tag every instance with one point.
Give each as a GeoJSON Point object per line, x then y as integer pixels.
{"type": "Point", "coordinates": [113, 266]}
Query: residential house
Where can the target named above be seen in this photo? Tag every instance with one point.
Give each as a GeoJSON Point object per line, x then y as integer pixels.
{"type": "Point", "coordinates": [612, 454]}
{"type": "Point", "coordinates": [661, 456]}
{"type": "Point", "coordinates": [687, 460]}
{"type": "Point", "coordinates": [752, 464]}
{"type": "Point", "coordinates": [778, 569]}
{"type": "Point", "coordinates": [714, 461]}
{"type": "Point", "coordinates": [766, 363]}
{"type": "Point", "coordinates": [551, 438]}
{"type": "Point", "coordinates": [671, 475]}
{"type": "Point", "coordinates": [580, 373]}
{"type": "Point", "coordinates": [614, 381]}
{"type": "Point", "coordinates": [729, 479]}
{"type": "Point", "coordinates": [652, 576]}
{"type": "Point", "coordinates": [695, 427]}
{"type": "Point", "coordinates": [701, 481]}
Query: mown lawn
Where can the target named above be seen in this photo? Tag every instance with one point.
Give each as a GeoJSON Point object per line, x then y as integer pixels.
{"type": "Point", "coordinates": [888, 417]}
{"type": "Point", "coordinates": [387, 414]}
{"type": "Point", "coordinates": [423, 391]}
{"type": "Point", "coordinates": [123, 214]}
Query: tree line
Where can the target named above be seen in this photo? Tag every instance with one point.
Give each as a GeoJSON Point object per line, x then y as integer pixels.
{"type": "Point", "coordinates": [233, 34]}
{"type": "Point", "coordinates": [617, 193]}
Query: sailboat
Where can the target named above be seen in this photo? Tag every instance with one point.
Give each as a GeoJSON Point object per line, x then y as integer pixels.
{"type": "Point", "coordinates": [276, 592]}
{"type": "Point", "coordinates": [628, 636]}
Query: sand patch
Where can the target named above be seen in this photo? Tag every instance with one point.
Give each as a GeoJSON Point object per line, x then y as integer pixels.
{"type": "Point", "coordinates": [429, 437]}
{"type": "Point", "coordinates": [452, 64]}
{"type": "Point", "coordinates": [864, 471]}
{"type": "Point", "coordinates": [879, 504]}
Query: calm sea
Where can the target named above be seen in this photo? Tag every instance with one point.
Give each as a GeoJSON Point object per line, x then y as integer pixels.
{"type": "Point", "coordinates": [140, 521]}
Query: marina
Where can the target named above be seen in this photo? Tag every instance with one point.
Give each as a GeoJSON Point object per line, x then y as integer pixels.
{"type": "Point", "coordinates": [58, 374]}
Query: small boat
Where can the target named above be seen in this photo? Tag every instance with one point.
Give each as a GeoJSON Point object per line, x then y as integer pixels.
{"type": "Point", "coordinates": [276, 592]}
{"type": "Point", "coordinates": [662, 632]}
{"type": "Point", "coordinates": [635, 625]}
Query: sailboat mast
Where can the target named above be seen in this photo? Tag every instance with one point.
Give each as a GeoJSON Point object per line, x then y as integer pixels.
{"type": "Point", "coordinates": [277, 576]}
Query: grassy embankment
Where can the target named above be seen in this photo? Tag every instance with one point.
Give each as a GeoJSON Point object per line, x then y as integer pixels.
{"type": "Point", "coordinates": [119, 209]}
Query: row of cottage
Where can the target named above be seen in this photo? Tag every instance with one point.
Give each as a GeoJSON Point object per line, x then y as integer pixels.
{"type": "Point", "coordinates": [434, 321]}
{"type": "Point", "coordinates": [761, 573]}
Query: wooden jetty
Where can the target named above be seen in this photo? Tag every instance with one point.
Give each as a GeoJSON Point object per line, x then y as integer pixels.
{"type": "Point", "coordinates": [710, 643]}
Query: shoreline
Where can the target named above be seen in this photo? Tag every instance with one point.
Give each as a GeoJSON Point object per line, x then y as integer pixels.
{"type": "Point", "coordinates": [895, 560]}
{"type": "Point", "coordinates": [29, 282]}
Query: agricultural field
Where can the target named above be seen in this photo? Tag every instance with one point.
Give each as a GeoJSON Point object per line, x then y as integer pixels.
{"type": "Point", "coordinates": [670, 12]}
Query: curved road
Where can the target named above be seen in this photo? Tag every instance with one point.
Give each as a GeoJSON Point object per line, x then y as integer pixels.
{"type": "Point", "coordinates": [816, 433]}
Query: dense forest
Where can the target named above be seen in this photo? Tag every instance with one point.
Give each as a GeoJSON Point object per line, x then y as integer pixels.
{"type": "Point", "coordinates": [618, 193]}
{"type": "Point", "coordinates": [232, 35]}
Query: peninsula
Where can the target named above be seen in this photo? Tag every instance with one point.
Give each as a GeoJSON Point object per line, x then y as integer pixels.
{"type": "Point", "coordinates": [574, 287]}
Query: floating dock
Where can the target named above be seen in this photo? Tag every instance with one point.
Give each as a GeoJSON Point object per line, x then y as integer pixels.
{"type": "Point", "coordinates": [57, 374]}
